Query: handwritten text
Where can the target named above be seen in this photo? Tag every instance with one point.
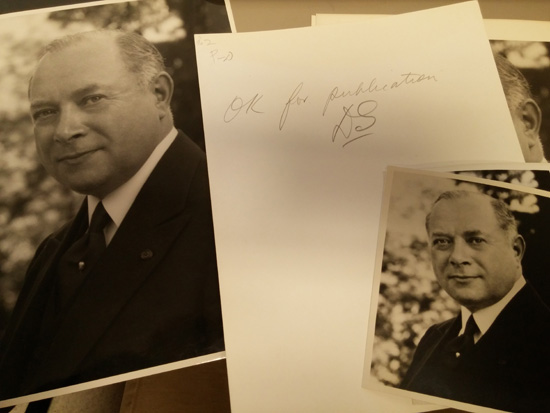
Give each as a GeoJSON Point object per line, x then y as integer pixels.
{"type": "Point", "coordinates": [294, 99]}
{"type": "Point", "coordinates": [355, 123]}
{"type": "Point", "coordinates": [238, 104]}
{"type": "Point", "coordinates": [374, 86]}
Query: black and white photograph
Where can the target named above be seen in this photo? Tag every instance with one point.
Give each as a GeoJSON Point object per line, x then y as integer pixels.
{"type": "Point", "coordinates": [107, 252]}
{"type": "Point", "coordinates": [460, 312]}
{"type": "Point", "coordinates": [524, 70]}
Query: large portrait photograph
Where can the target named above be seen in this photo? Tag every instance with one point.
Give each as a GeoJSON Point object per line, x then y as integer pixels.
{"type": "Point", "coordinates": [460, 310]}
{"type": "Point", "coordinates": [107, 254]}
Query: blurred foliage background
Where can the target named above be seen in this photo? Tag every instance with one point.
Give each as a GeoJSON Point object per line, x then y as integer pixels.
{"type": "Point", "coordinates": [32, 204]}
{"type": "Point", "coordinates": [410, 299]}
{"type": "Point", "coordinates": [533, 61]}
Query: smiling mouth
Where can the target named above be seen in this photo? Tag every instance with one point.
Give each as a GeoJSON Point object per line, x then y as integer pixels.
{"type": "Point", "coordinates": [75, 157]}
{"type": "Point", "coordinates": [463, 277]}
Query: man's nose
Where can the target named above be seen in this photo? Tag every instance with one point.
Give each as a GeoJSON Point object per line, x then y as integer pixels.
{"type": "Point", "coordinates": [460, 253]}
{"type": "Point", "coordinates": [69, 125]}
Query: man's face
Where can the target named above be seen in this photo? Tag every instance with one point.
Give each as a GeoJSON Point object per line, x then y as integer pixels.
{"type": "Point", "coordinates": [94, 125]}
{"type": "Point", "coordinates": [474, 260]}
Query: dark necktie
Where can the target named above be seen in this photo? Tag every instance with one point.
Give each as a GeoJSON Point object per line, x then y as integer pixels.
{"type": "Point", "coordinates": [80, 258]}
{"type": "Point", "coordinates": [464, 343]}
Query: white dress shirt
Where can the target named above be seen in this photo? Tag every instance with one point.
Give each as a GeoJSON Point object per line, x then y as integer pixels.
{"type": "Point", "coordinates": [485, 317]}
{"type": "Point", "coordinates": [118, 202]}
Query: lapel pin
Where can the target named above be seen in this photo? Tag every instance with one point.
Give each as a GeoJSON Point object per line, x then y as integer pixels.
{"type": "Point", "coordinates": [146, 254]}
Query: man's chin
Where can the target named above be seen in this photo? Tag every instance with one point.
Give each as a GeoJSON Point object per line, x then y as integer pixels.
{"type": "Point", "coordinates": [466, 295]}
{"type": "Point", "coordinates": [86, 186]}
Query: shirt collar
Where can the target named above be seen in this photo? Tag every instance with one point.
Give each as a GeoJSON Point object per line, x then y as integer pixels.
{"type": "Point", "coordinates": [485, 317]}
{"type": "Point", "coordinates": [118, 202]}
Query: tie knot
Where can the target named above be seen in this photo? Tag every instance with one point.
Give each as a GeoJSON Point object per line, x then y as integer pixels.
{"type": "Point", "coordinates": [471, 327]}
{"type": "Point", "coordinates": [462, 344]}
{"type": "Point", "coordinates": [100, 218]}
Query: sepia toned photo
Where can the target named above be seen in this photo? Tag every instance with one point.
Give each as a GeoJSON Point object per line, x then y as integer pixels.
{"type": "Point", "coordinates": [460, 310]}
{"type": "Point", "coordinates": [524, 70]}
{"type": "Point", "coordinates": [107, 254]}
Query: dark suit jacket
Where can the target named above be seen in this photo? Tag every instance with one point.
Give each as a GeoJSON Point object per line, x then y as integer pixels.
{"type": "Point", "coordinates": [508, 369]}
{"type": "Point", "coordinates": [152, 299]}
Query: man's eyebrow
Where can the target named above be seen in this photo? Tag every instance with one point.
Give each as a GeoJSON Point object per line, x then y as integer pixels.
{"type": "Point", "coordinates": [473, 233]}
{"type": "Point", "coordinates": [92, 88]}
{"type": "Point", "coordinates": [37, 104]}
{"type": "Point", "coordinates": [439, 234]}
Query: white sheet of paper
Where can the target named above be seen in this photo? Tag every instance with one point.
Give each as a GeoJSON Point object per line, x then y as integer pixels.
{"type": "Point", "coordinates": [296, 181]}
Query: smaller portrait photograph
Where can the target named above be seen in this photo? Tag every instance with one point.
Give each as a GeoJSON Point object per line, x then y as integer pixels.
{"type": "Point", "coordinates": [460, 311]}
{"type": "Point", "coordinates": [524, 71]}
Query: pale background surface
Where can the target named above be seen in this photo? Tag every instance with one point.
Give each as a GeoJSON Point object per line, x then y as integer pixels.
{"type": "Point", "coordinates": [251, 15]}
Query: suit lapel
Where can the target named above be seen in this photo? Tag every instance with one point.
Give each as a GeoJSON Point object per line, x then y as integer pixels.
{"type": "Point", "coordinates": [438, 337]}
{"type": "Point", "coordinates": [151, 225]}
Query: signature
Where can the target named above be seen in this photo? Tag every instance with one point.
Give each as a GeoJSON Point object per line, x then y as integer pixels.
{"type": "Point", "coordinates": [294, 99]}
{"type": "Point", "coordinates": [356, 122]}
{"type": "Point", "coordinates": [239, 104]}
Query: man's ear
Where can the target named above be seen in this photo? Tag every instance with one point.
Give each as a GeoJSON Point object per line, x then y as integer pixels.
{"type": "Point", "coordinates": [163, 90]}
{"type": "Point", "coordinates": [531, 117]}
{"type": "Point", "coordinates": [519, 246]}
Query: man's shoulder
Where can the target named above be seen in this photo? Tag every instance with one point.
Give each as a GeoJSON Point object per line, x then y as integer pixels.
{"type": "Point", "coordinates": [184, 143]}
{"type": "Point", "coordinates": [441, 328]}
{"type": "Point", "coordinates": [78, 222]}
{"type": "Point", "coordinates": [531, 314]}
{"type": "Point", "coordinates": [181, 161]}
{"type": "Point", "coordinates": [435, 333]}
{"type": "Point", "coordinates": [528, 307]}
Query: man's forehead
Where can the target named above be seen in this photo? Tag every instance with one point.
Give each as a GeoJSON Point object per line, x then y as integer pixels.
{"type": "Point", "coordinates": [472, 212]}
{"type": "Point", "coordinates": [86, 60]}
{"type": "Point", "coordinates": [100, 44]}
